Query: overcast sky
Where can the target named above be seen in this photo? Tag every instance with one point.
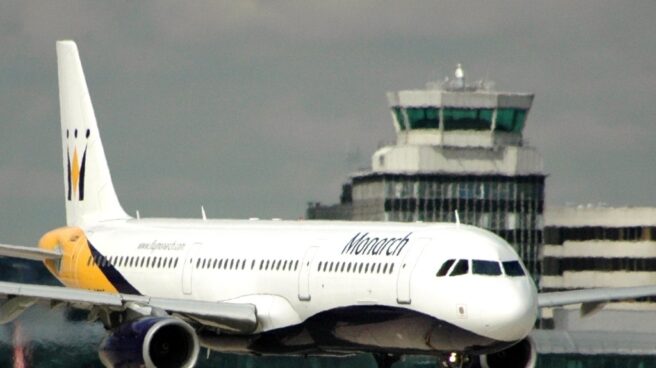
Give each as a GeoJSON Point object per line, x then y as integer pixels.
{"type": "Point", "coordinates": [254, 108]}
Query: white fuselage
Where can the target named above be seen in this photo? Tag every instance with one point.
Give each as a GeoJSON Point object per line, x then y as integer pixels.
{"type": "Point", "coordinates": [292, 271]}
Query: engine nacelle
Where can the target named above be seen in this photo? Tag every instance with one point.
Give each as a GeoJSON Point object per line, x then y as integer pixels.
{"type": "Point", "coordinates": [161, 342]}
{"type": "Point", "coordinates": [521, 355]}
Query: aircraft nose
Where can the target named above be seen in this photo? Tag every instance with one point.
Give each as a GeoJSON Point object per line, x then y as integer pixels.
{"type": "Point", "coordinates": [511, 314]}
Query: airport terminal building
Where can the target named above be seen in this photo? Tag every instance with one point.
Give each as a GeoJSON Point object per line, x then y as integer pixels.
{"type": "Point", "coordinates": [593, 246]}
{"type": "Point", "coordinates": [459, 147]}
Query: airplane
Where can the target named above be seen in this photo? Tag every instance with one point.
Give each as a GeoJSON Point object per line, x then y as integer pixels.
{"type": "Point", "coordinates": [164, 288]}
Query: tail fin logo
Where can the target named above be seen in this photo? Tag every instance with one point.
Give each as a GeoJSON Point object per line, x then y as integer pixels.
{"type": "Point", "coordinates": [76, 166]}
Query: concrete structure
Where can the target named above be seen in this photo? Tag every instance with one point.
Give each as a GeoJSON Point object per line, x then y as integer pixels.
{"type": "Point", "coordinates": [459, 147]}
{"type": "Point", "coordinates": [588, 246]}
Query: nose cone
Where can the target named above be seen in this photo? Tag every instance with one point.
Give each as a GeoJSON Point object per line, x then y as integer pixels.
{"type": "Point", "coordinates": [510, 311]}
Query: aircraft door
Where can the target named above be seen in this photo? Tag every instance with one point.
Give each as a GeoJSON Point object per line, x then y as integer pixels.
{"type": "Point", "coordinates": [405, 272]}
{"type": "Point", "coordinates": [304, 274]}
{"type": "Point", "coordinates": [188, 268]}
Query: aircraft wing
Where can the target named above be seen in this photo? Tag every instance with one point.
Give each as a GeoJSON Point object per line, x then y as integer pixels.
{"type": "Point", "coordinates": [32, 253]}
{"type": "Point", "coordinates": [592, 300]}
{"type": "Point", "coordinates": [230, 317]}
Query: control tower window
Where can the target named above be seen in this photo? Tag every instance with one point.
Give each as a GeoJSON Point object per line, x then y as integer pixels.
{"type": "Point", "coordinates": [423, 117]}
{"type": "Point", "coordinates": [399, 117]}
{"type": "Point", "coordinates": [461, 268]}
{"type": "Point", "coordinates": [467, 119]}
{"type": "Point", "coordinates": [513, 268]}
{"type": "Point", "coordinates": [510, 120]}
{"type": "Point", "coordinates": [489, 268]}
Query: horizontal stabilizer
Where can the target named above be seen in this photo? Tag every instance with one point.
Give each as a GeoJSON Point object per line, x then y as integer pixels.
{"type": "Point", "coordinates": [31, 253]}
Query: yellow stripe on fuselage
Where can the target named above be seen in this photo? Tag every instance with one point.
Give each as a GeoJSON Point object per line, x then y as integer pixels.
{"type": "Point", "coordinates": [74, 268]}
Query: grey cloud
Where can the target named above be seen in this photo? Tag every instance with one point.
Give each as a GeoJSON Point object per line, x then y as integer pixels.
{"type": "Point", "coordinates": [252, 107]}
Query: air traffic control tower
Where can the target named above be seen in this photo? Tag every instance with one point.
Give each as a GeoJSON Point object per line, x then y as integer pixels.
{"type": "Point", "coordinates": [459, 147]}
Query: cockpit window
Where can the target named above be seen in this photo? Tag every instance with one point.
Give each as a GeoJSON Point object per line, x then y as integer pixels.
{"type": "Point", "coordinates": [445, 268]}
{"type": "Point", "coordinates": [461, 268]}
{"type": "Point", "coordinates": [513, 268]}
{"type": "Point", "coordinates": [489, 268]}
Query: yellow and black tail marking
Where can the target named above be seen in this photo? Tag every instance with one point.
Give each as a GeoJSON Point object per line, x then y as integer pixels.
{"type": "Point", "coordinates": [74, 268]}
{"type": "Point", "coordinates": [75, 171]}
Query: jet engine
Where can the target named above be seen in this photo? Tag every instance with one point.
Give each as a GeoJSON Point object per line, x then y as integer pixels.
{"type": "Point", "coordinates": [521, 355]}
{"type": "Point", "coordinates": [161, 342]}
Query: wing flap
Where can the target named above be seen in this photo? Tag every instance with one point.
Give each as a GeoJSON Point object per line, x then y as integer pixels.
{"type": "Point", "coordinates": [31, 253]}
{"type": "Point", "coordinates": [233, 317]}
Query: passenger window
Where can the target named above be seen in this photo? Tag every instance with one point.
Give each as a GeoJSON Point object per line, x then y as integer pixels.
{"type": "Point", "coordinates": [366, 268]}
{"type": "Point", "coordinates": [488, 268]}
{"type": "Point", "coordinates": [253, 265]}
{"type": "Point", "coordinates": [446, 266]}
{"type": "Point", "coordinates": [198, 263]}
{"type": "Point", "coordinates": [461, 268]}
{"type": "Point", "coordinates": [319, 266]}
{"type": "Point", "coordinates": [385, 268]}
{"type": "Point", "coordinates": [360, 268]}
{"type": "Point", "coordinates": [513, 268]}
{"type": "Point", "coordinates": [243, 264]}
{"type": "Point", "coordinates": [343, 266]}
{"type": "Point", "coordinates": [261, 265]}
{"type": "Point", "coordinates": [143, 259]}
{"type": "Point", "coordinates": [296, 265]}
{"type": "Point", "coordinates": [176, 263]}
{"type": "Point", "coordinates": [391, 268]}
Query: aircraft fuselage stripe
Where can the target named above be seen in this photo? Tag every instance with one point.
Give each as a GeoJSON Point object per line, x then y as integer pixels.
{"type": "Point", "coordinates": [113, 276]}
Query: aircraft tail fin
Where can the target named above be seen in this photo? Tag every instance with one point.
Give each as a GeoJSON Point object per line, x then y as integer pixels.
{"type": "Point", "coordinates": [90, 195]}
